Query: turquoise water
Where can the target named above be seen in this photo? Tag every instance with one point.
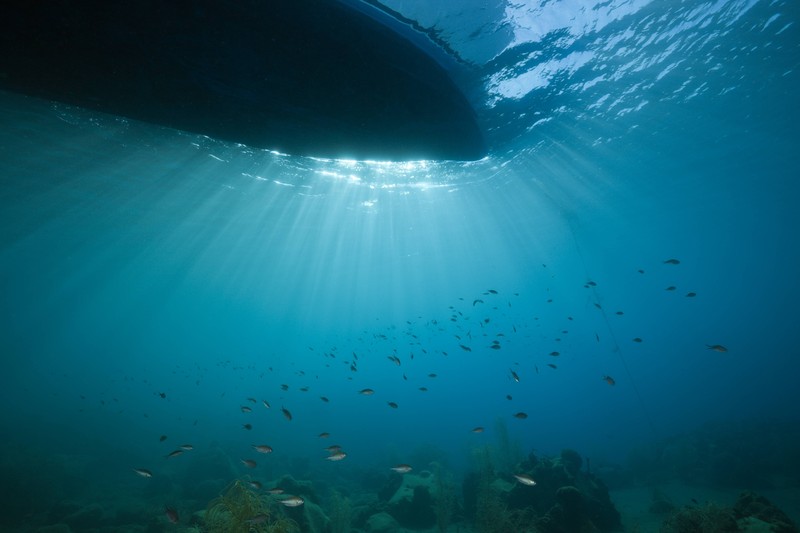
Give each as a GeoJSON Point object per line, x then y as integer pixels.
{"type": "Point", "coordinates": [137, 261]}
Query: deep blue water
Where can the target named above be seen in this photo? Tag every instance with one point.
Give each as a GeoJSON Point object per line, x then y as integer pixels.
{"type": "Point", "coordinates": [136, 260]}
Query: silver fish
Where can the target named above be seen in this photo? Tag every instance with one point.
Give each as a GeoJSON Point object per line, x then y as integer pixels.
{"type": "Point", "coordinates": [292, 501]}
{"type": "Point", "coordinates": [525, 480]}
{"type": "Point", "coordinates": [143, 472]}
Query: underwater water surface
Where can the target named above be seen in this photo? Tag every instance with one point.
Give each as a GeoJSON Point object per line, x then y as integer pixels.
{"type": "Point", "coordinates": [617, 277]}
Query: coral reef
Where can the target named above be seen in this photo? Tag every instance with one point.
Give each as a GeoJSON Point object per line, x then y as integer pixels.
{"type": "Point", "coordinates": [382, 523]}
{"type": "Point", "coordinates": [340, 513]}
{"type": "Point", "coordinates": [708, 518]}
{"type": "Point", "coordinates": [563, 499]}
{"type": "Point", "coordinates": [751, 513]}
{"type": "Point", "coordinates": [240, 510]}
{"type": "Point", "coordinates": [445, 498]}
{"type": "Point", "coordinates": [413, 504]}
{"type": "Point", "coordinates": [750, 505]}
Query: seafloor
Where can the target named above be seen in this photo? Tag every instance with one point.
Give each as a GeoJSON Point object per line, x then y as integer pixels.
{"type": "Point", "coordinates": [724, 477]}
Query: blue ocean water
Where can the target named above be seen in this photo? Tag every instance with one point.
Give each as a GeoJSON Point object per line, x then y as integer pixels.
{"type": "Point", "coordinates": [153, 280]}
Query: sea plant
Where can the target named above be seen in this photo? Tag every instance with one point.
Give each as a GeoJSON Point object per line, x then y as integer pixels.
{"type": "Point", "coordinates": [239, 509]}
{"type": "Point", "coordinates": [340, 513]}
{"type": "Point", "coordinates": [445, 498]}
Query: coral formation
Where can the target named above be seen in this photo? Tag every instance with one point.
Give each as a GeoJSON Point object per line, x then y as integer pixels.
{"type": "Point", "coordinates": [751, 513]}
{"type": "Point", "coordinates": [240, 510]}
{"type": "Point", "coordinates": [708, 518]}
{"type": "Point", "coordinates": [340, 513]}
{"type": "Point", "coordinates": [445, 498]}
{"type": "Point", "coordinates": [413, 505]}
{"type": "Point", "coordinates": [382, 523]}
{"type": "Point", "coordinates": [751, 505]}
{"type": "Point", "coordinates": [563, 499]}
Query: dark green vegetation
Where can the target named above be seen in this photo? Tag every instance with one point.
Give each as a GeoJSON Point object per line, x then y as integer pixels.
{"type": "Point", "coordinates": [502, 492]}
{"type": "Point", "coordinates": [751, 512]}
{"type": "Point", "coordinates": [241, 510]}
{"type": "Point", "coordinates": [565, 498]}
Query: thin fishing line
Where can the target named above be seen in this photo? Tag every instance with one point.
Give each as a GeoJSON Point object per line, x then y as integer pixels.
{"type": "Point", "coordinates": [617, 347]}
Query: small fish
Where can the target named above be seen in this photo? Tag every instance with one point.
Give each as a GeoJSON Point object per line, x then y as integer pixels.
{"type": "Point", "coordinates": [303, 389]}
{"type": "Point", "coordinates": [508, 397]}
{"type": "Point", "coordinates": [366, 392]}
{"type": "Point", "coordinates": [162, 438]}
{"type": "Point", "coordinates": [275, 491]}
{"type": "Point", "coordinates": [514, 375]}
{"type": "Point", "coordinates": [672, 262]}
{"type": "Point", "coordinates": [143, 472]}
{"type": "Point", "coordinates": [324, 435]}
{"type": "Point", "coordinates": [555, 354]}
{"type": "Point", "coordinates": [286, 414]}
{"type": "Point", "coordinates": [478, 429]}
{"type": "Point", "coordinates": [620, 313]}
{"type": "Point", "coordinates": [609, 380]}
{"type": "Point", "coordinates": [292, 501]}
{"type": "Point", "coordinates": [478, 301]}
{"type": "Point", "coordinates": [401, 469]}
{"type": "Point", "coordinates": [246, 409]}
{"type": "Point", "coordinates": [262, 448]}
{"type": "Point", "coordinates": [394, 359]}
{"type": "Point", "coordinates": [637, 339]}
{"type": "Point", "coordinates": [424, 389]}
{"type": "Point", "coordinates": [333, 448]}
{"type": "Point", "coordinates": [393, 405]}
{"type": "Point", "coordinates": [691, 294]}
{"type": "Point", "coordinates": [187, 447]}
{"type": "Point", "coordinates": [591, 283]}
{"type": "Point", "coordinates": [284, 387]}
{"type": "Point", "coordinates": [247, 426]}
{"type": "Point", "coordinates": [249, 463]}
{"type": "Point", "coordinates": [173, 454]}
{"type": "Point", "coordinates": [717, 348]}
{"type": "Point", "coordinates": [551, 365]}
{"type": "Point", "coordinates": [257, 519]}
{"type": "Point", "coordinates": [431, 375]}
{"type": "Point", "coordinates": [162, 394]}
{"type": "Point", "coordinates": [597, 337]}
{"type": "Point", "coordinates": [521, 415]}
{"type": "Point", "coordinates": [465, 348]}
{"type": "Point", "coordinates": [171, 514]}
{"type": "Point", "coordinates": [640, 271]}
{"type": "Point", "coordinates": [252, 400]}
{"type": "Point", "coordinates": [670, 288]}
{"type": "Point", "coordinates": [324, 399]}
{"type": "Point", "coordinates": [525, 480]}
{"type": "Point", "coordinates": [492, 291]}
{"type": "Point", "coordinates": [338, 456]}
{"type": "Point", "coordinates": [255, 484]}
{"type": "Point", "coordinates": [266, 403]}
{"type": "Point", "coordinates": [495, 346]}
